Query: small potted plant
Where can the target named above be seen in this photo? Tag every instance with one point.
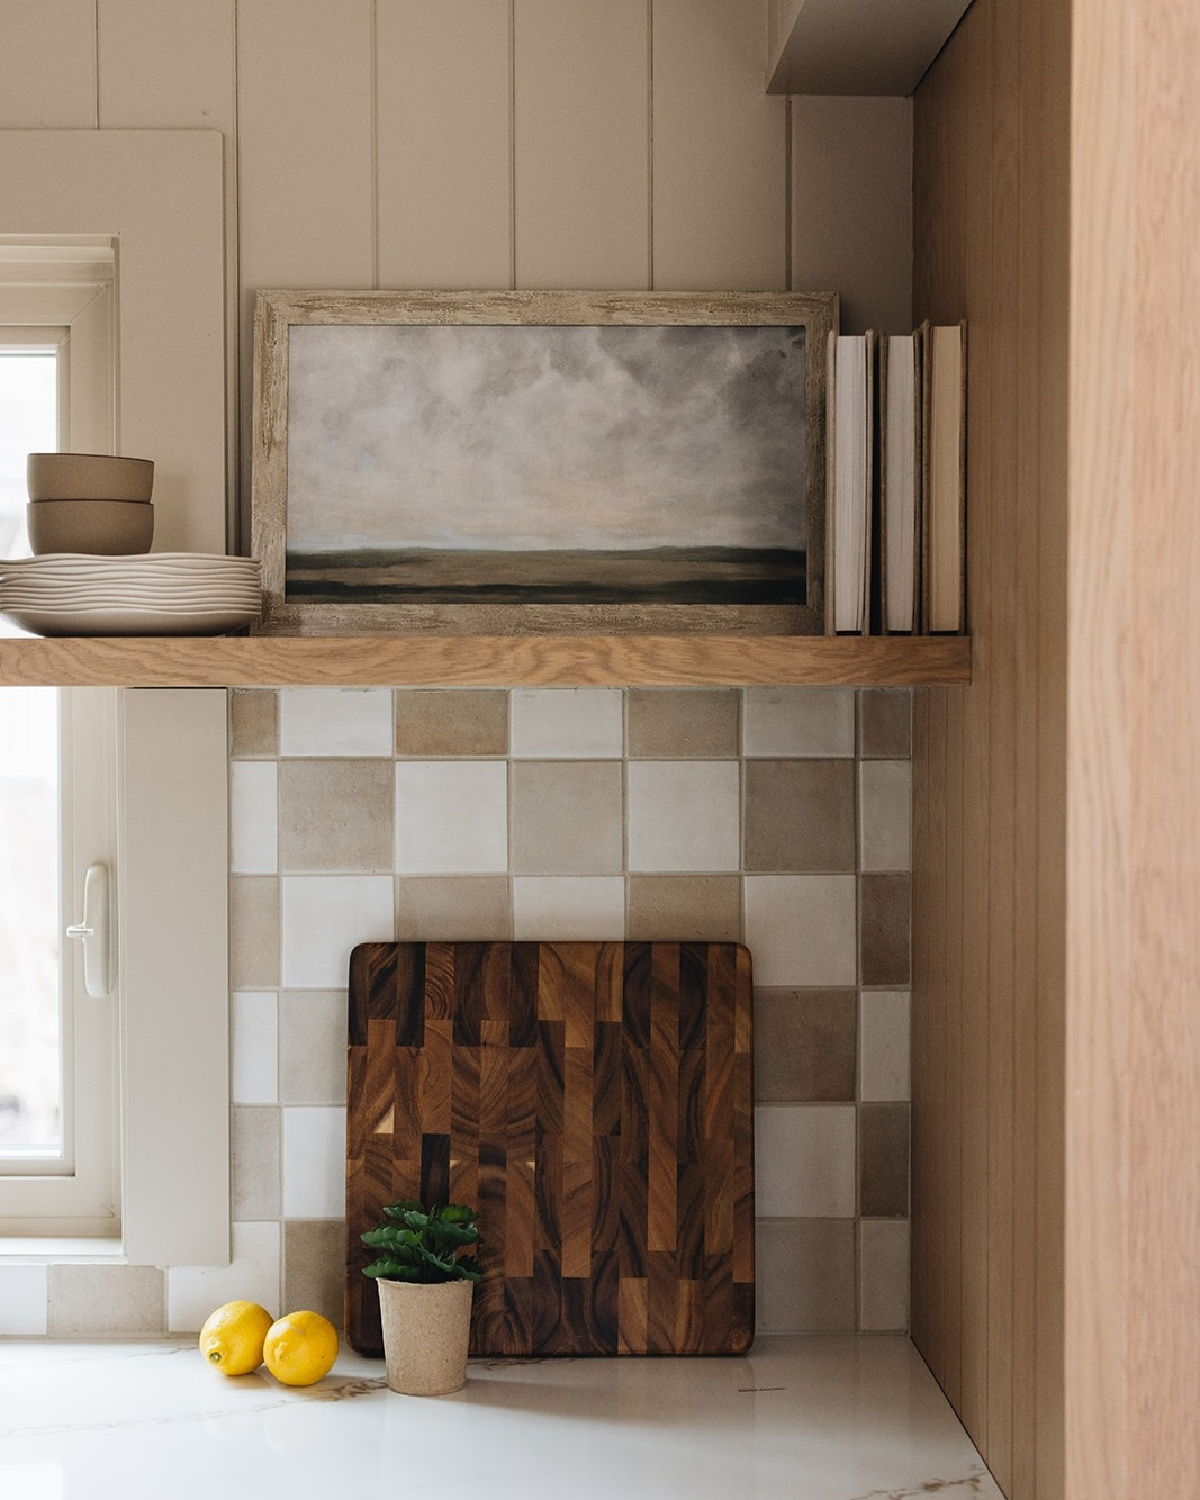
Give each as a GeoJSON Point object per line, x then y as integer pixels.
{"type": "Point", "coordinates": [425, 1279]}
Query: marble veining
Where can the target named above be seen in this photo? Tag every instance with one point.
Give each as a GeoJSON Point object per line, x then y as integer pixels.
{"type": "Point", "coordinates": [810, 1418]}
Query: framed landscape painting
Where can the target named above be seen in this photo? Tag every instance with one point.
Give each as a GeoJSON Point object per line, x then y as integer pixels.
{"type": "Point", "coordinates": [509, 462]}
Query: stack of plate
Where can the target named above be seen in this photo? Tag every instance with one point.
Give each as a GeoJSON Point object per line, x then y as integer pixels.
{"type": "Point", "coordinates": [152, 593]}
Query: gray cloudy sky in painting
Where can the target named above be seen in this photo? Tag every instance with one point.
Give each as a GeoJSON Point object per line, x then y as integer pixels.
{"type": "Point", "coordinates": [537, 437]}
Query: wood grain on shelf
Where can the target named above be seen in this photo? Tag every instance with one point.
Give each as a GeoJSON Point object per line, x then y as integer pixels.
{"type": "Point", "coordinates": [480, 661]}
{"type": "Point", "coordinates": [990, 161]}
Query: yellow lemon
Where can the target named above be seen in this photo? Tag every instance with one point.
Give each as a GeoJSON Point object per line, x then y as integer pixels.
{"type": "Point", "coordinates": [232, 1339]}
{"type": "Point", "coordinates": [300, 1348]}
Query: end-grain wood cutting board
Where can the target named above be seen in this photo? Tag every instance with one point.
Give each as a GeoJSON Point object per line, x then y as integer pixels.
{"type": "Point", "coordinates": [594, 1101]}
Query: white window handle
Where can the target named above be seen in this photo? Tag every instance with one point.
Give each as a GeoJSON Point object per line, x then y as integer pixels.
{"type": "Point", "coordinates": [93, 932]}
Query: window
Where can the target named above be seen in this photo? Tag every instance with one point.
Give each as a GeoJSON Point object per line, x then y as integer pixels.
{"type": "Point", "coordinates": [58, 1116]}
{"type": "Point", "coordinates": [158, 196]}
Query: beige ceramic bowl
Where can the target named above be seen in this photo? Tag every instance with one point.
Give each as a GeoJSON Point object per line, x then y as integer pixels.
{"type": "Point", "coordinates": [109, 527]}
{"type": "Point", "coordinates": [88, 476]}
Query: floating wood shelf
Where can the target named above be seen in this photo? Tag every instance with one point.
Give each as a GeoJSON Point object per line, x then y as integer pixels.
{"type": "Point", "coordinates": [487, 661]}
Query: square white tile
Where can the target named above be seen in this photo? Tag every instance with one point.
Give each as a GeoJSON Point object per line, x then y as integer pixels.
{"type": "Point", "coordinates": [567, 723]}
{"type": "Point", "coordinates": [451, 817]}
{"type": "Point", "coordinates": [801, 929]}
{"type": "Point", "coordinates": [885, 814]}
{"type": "Point", "coordinates": [193, 1292]}
{"type": "Point", "coordinates": [253, 817]}
{"type": "Point", "coordinates": [884, 1031]}
{"type": "Point", "coordinates": [590, 908]}
{"type": "Point", "coordinates": [798, 721]}
{"type": "Point", "coordinates": [335, 721]}
{"type": "Point", "coordinates": [883, 1255]}
{"type": "Point", "coordinates": [23, 1295]}
{"type": "Point", "coordinates": [255, 1047]}
{"type": "Point", "coordinates": [324, 916]}
{"type": "Point", "coordinates": [314, 1163]}
{"type": "Point", "coordinates": [684, 815]}
{"type": "Point", "coordinates": [804, 1161]}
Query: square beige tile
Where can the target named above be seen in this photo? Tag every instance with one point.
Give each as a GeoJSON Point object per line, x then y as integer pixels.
{"type": "Point", "coordinates": [335, 721]}
{"type": "Point", "coordinates": [800, 815]}
{"type": "Point", "coordinates": [684, 815]}
{"type": "Point", "coordinates": [313, 1038]}
{"type": "Point", "coordinates": [325, 917]}
{"type": "Point", "coordinates": [254, 932]}
{"type": "Point", "coordinates": [883, 1165]}
{"type": "Point", "coordinates": [106, 1300]}
{"type": "Point", "coordinates": [883, 1275]}
{"type": "Point", "coordinates": [679, 908]}
{"type": "Point", "coordinates": [884, 928]}
{"type": "Point", "coordinates": [254, 1162]}
{"type": "Point", "coordinates": [805, 1276]}
{"type": "Point", "coordinates": [885, 814]}
{"type": "Point", "coordinates": [253, 722]}
{"type": "Point", "coordinates": [800, 929]}
{"type": "Point", "coordinates": [253, 817]}
{"type": "Point", "coordinates": [566, 817]}
{"type": "Point", "coordinates": [451, 817]}
{"type": "Point", "coordinates": [884, 1044]}
{"type": "Point", "coordinates": [336, 815]}
{"type": "Point", "coordinates": [805, 1045]}
{"type": "Point", "coordinates": [804, 1161]}
{"type": "Point", "coordinates": [798, 721]}
{"type": "Point", "coordinates": [885, 723]}
{"type": "Point", "coordinates": [683, 723]}
{"type": "Point", "coordinates": [451, 721]}
{"type": "Point", "coordinates": [453, 908]}
{"type": "Point", "coordinates": [314, 1266]}
{"type": "Point", "coordinates": [570, 908]}
{"type": "Point", "coordinates": [567, 723]}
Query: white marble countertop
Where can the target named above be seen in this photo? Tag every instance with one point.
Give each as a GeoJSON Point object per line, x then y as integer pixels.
{"type": "Point", "coordinates": [817, 1418]}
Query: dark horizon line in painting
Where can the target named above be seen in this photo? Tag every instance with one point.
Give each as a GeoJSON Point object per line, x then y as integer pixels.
{"type": "Point", "coordinates": [652, 575]}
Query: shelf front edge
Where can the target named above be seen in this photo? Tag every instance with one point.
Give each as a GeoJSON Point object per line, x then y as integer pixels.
{"type": "Point", "coordinates": [488, 661]}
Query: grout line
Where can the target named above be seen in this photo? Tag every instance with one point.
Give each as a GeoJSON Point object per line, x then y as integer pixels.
{"type": "Point", "coordinates": [789, 195]}
{"type": "Point", "coordinates": [512, 143]}
{"type": "Point", "coordinates": [374, 105]}
{"type": "Point", "coordinates": [96, 63]}
{"type": "Point", "coordinates": [650, 144]}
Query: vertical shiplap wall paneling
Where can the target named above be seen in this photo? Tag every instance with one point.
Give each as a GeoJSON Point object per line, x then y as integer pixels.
{"type": "Point", "coordinates": [582, 143]}
{"type": "Point", "coordinates": [1052, 522]}
{"type": "Point", "coordinates": [47, 65]}
{"type": "Point", "coordinates": [922, 1317]}
{"type": "Point", "coordinates": [169, 64]}
{"type": "Point", "coordinates": [852, 207]}
{"type": "Point", "coordinates": [990, 199]}
{"type": "Point", "coordinates": [444, 167]}
{"type": "Point", "coordinates": [1026, 643]}
{"type": "Point", "coordinates": [719, 161]}
{"type": "Point", "coordinates": [305, 144]}
{"type": "Point", "coordinates": [1002, 1168]}
{"type": "Point", "coordinates": [950, 800]}
{"type": "Point", "coordinates": [975, 39]}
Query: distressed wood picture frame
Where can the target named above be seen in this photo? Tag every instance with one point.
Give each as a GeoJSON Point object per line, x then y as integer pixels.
{"type": "Point", "coordinates": [502, 463]}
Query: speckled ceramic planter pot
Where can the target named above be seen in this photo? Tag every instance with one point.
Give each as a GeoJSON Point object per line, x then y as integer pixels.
{"type": "Point", "coordinates": [426, 1333]}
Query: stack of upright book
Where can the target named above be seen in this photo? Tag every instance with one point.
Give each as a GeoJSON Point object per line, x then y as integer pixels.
{"type": "Point", "coordinates": [895, 455]}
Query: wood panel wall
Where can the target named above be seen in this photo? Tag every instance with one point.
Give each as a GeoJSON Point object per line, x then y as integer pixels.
{"type": "Point", "coordinates": [991, 187]}
{"type": "Point", "coordinates": [1133, 1204]}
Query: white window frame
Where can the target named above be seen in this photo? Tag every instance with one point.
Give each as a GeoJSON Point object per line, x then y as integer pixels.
{"type": "Point", "coordinates": [158, 195]}
{"type": "Point", "coordinates": [78, 1193]}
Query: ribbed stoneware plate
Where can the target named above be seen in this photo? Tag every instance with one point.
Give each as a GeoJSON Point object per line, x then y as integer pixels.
{"type": "Point", "coordinates": [130, 620]}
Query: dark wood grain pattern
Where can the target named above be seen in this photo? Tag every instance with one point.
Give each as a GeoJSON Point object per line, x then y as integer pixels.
{"type": "Point", "coordinates": [595, 1102]}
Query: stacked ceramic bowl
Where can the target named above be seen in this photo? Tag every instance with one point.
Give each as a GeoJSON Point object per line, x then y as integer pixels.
{"type": "Point", "coordinates": [89, 502]}
{"type": "Point", "coordinates": [151, 593]}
